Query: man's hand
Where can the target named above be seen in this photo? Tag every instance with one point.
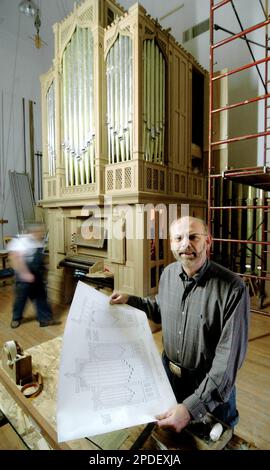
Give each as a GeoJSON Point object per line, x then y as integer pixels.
{"type": "Point", "coordinates": [176, 419]}
{"type": "Point", "coordinates": [118, 298]}
{"type": "Point", "coordinates": [18, 263]}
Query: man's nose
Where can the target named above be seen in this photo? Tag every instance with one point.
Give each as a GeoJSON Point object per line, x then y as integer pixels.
{"type": "Point", "coordinates": [184, 243]}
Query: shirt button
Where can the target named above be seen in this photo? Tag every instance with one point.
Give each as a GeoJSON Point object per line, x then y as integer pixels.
{"type": "Point", "coordinates": [183, 313]}
{"type": "Point", "coordinates": [179, 332]}
{"type": "Point", "coordinates": [200, 415]}
{"type": "Point", "coordinates": [177, 351]}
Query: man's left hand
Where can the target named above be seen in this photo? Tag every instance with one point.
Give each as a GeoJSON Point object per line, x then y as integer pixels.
{"type": "Point", "coordinates": [176, 419]}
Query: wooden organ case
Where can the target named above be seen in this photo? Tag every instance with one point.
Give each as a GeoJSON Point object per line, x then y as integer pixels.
{"type": "Point", "coordinates": [124, 118]}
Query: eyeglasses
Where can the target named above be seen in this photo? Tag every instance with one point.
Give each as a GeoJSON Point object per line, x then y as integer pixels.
{"type": "Point", "coordinates": [192, 237]}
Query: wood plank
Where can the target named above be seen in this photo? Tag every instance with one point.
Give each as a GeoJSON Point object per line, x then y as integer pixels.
{"type": "Point", "coordinates": [46, 429]}
{"type": "Point", "coordinates": [9, 439]}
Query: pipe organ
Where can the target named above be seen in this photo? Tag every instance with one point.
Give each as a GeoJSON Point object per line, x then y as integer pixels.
{"type": "Point", "coordinates": [122, 146]}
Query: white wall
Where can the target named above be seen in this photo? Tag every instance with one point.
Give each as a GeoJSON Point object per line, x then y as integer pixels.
{"type": "Point", "coordinates": [21, 66]}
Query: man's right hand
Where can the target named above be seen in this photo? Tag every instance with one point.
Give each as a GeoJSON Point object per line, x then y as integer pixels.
{"type": "Point", "coordinates": [119, 298]}
{"type": "Point", "coordinates": [175, 419]}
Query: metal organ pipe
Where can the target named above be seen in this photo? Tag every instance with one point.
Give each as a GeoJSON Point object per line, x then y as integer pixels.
{"type": "Point", "coordinates": [130, 100]}
{"type": "Point", "coordinates": [126, 91]}
{"type": "Point", "coordinates": [75, 107]}
{"type": "Point", "coordinates": [80, 121]}
{"type": "Point", "coordinates": [65, 122]}
{"type": "Point", "coordinates": [91, 107]}
{"type": "Point", "coordinates": [108, 75]}
{"type": "Point", "coordinates": [144, 98]}
{"type": "Point", "coordinates": [154, 102]}
{"type": "Point", "coordinates": [78, 132]}
{"type": "Point", "coordinates": [148, 92]}
{"type": "Point", "coordinates": [119, 100]}
{"type": "Point", "coordinates": [51, 127]}
{"type": "Point", "coordinates": [85, 111]}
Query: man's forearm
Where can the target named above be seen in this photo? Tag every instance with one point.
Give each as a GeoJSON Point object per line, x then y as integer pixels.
{"type": "Point", "coordinates": [150, 307]}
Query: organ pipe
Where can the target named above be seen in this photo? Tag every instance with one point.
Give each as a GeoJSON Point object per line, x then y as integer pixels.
{"type": "Point", "coordinates": [78, 133]}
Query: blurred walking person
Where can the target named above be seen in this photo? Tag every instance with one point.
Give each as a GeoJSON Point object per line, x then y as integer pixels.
{"type": "Point", "coordinates": [27, 257]}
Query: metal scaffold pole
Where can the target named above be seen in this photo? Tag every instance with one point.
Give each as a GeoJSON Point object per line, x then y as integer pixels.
{"type": "Point", "coordinates": [238, 197]}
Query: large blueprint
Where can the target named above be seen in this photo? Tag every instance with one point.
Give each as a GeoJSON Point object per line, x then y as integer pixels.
{"type": "Point", "coordinates": [111, 375]}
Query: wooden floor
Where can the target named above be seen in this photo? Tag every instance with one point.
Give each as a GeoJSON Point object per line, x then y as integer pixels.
{"type": "Point", "coordinates": [253, 384]}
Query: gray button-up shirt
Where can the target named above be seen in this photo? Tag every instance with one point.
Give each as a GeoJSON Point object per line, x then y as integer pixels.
{"type": "Point", "coordinates": [205, 328]}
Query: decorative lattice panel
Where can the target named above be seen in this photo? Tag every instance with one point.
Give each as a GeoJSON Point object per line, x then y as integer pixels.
{"type": "Point", "coordinates": [155, 180]}
{"type": "Point", "coordinates": [87, 15]}
{"type": "Point", "coordinates": [149, 178]}
{"type": "Point", "coordinates": [118, 178]}
{"type": "Point", "coordinates": [109, 180]}
{"type": "Point", "coordinates": [127, 177]}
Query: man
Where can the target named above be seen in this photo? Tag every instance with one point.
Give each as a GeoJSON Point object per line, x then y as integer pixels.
{"type": "Point", "coordinates": [26, 254]}
{"type": "Point", "coordinates": [204, 311]}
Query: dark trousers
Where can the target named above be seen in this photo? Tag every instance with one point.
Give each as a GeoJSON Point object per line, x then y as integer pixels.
{"type": "Point", "coordinates": [35, 292]}
{"type": "Point", "coordinates": [186, 385]}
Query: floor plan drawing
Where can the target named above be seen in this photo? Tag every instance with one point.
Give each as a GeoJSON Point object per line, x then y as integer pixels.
{"type": "Point", "coordinates": [111, 375]}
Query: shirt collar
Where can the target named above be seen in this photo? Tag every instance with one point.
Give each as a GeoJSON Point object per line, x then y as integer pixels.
{"type": "Point", "coordinates": [198, 276]}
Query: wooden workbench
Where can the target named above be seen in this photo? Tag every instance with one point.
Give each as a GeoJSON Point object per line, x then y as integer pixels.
{"type": "Point", "coordinates": [35, 419]}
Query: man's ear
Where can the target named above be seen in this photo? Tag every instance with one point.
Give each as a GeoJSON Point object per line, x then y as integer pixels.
{"type": "Point", "coordinates": [209, 240]}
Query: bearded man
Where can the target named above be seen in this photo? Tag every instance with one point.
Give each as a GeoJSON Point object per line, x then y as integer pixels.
{"type": "Point", "coordinates": [204, 311]}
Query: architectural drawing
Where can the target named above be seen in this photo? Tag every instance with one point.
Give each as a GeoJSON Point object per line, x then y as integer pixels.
{"type": "Point", "coordinates": [111, 375]}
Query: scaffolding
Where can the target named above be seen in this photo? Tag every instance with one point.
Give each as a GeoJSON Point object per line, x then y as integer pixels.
{"type": "Point", "coordinates": [238, 200]}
